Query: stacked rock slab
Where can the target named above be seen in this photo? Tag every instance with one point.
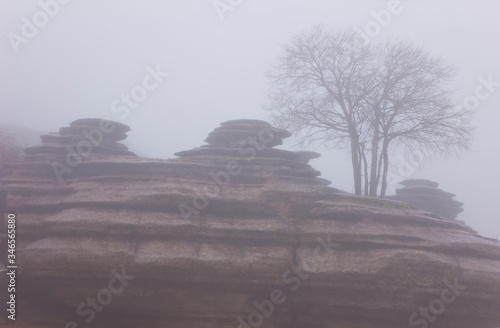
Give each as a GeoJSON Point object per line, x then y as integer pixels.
{"type": "Point", "coordinates": [82, 140]}
{"type": "Point", "coordinates": [242, 133]}
{"type": "Point", "coordinates": [425, 195]}
{"type": "Point", "coordinates": [235, 233]}
{"type": "Point", "coordinates": [252, 141]}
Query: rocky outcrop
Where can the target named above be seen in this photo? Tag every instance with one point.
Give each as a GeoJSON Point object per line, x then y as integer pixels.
{"type": "Point", "coordinates": [235, 233]}
{"type": "Point", "coordinates": [425, 195]}
{"type": "Point", "coordinates": [84, 138]}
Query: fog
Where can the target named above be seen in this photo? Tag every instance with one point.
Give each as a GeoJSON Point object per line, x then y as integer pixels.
{"type": "Point", "coordinates": [210, 67]}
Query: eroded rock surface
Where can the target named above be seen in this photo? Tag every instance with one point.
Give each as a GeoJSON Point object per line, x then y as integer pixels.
{"type": "Point", "coordinates": [206, 239]}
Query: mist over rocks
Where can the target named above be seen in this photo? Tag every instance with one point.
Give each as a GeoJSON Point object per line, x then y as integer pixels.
{"type": "Point", "coordinates": [425, 195]}
{"type": "Point", "coordinates": [252, 142]}
{"type": "Point", "coordinates": [87, 136]}
{"type": "Point", "coordinates": [261, 214]}
{"type": "Point", "coordinates": [241, 133]}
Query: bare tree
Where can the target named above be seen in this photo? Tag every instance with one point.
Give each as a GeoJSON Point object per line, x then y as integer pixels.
{"type": "Point", "coordinates": [330, 88]}
{"type": "Point", "coordinates": [320, 89]}
{"type": "Point", "coordinates": [412, 108]}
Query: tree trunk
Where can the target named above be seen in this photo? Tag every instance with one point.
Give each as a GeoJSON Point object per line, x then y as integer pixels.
{"type": "Point", "coordinates": [373, 170]}
{"type": "Point", "coordinates": [374, 160]}
{"type": "Point", "coordinates": [365, 165]}
{"type": "Point", "coordinates": [374, 163]}
{"type": "Point", "coordinates": [356, 167]}
{"type": "Point", "coordinates": [385, 154]}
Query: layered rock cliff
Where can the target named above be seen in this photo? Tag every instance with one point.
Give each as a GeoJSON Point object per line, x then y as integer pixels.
{"type": "Point", "coordinates": [235, 233]}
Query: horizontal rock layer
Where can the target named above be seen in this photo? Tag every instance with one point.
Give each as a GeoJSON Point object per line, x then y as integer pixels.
{"type": "Point", "coordinates": [207, 238]}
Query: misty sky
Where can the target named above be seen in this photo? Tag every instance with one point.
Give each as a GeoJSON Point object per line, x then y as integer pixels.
{"type": "Point", "coordinates": [80, 61]}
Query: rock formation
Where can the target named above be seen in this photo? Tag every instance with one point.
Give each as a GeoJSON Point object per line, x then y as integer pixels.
{"type": "Point", "coordinates": [232, 234]}
{"type": "Point", "coordinates": [425, 195]}
{"type": "Point", "coordinates": [89, 137]}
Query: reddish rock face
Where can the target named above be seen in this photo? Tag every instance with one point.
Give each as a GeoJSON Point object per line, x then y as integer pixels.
{"type": "Point", "coordinates": [235, 234]}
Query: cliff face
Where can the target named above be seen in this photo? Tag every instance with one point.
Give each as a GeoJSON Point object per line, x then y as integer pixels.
{"type": "Point", "coordinates": [232, 234]}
